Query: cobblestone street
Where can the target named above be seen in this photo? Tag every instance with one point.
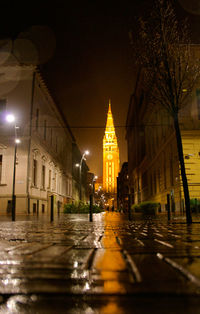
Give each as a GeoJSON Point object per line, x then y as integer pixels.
{"type": "Point", "coordinates": [110, 265]}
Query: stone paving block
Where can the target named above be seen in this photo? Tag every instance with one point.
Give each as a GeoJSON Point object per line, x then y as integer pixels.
{"type": "Point", "coordinates": [73, 256]}
{"type": "Point", "coordinates": [191, 263]}
{"type": "Point", "coordinates": [26, 249]}
{"type": "Point", "coordinates": [49, 253]}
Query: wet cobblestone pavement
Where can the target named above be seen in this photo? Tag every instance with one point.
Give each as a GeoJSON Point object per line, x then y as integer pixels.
{"type": "Point", "coordinates": [110, 265]}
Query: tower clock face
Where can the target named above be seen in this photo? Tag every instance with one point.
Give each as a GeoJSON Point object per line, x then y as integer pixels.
{"type": "Point", "coordinates": [110, 156]}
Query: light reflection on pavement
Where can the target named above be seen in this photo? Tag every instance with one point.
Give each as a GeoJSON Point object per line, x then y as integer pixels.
{"type": "Point", "coordinates": [109, 261]}
{"type": "Point", "coordinates": [111, 265]}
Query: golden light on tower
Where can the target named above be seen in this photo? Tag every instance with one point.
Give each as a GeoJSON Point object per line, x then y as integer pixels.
{"type": "Point", "coordinates": [110, 156]}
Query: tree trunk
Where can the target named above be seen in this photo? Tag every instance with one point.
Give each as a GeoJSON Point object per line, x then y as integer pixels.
{"type": "Point", "coordinates": [182, 163]}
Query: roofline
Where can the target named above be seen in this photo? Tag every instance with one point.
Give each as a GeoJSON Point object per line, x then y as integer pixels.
{"type": "Point", "coordinates": [63, 118]}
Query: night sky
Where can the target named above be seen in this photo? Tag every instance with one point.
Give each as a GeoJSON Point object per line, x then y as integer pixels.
{"type": "Point", "coordinates": [84, 53]}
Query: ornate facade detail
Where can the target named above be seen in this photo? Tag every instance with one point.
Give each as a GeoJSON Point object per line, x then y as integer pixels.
{"type": "Point", "coordinates": [52, 164]}
{"type": "Point", "coordinates": [36, 152]}
{"type": "Point", "coordinates": [44, 158]}
{"type": "Point", "coordinates": [3, 146]}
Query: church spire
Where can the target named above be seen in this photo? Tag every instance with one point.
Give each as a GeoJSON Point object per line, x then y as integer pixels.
{"type": "Point", "coordinates": [110, 156]}
{"type": "Point", "coordinates": [109, 107]}
{"type": "Point", "coordinates": [110, 123]}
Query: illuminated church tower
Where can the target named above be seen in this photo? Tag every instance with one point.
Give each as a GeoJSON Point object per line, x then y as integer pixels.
{"type": "Point", "coordinates": [110, 156]}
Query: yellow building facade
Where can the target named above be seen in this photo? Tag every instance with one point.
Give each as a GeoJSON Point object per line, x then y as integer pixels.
{"type": "Point", "coordinates": [110, 157]}
{"type": "Point", "coordinates": [153, 164]}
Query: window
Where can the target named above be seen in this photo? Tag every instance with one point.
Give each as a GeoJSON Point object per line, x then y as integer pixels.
{"type": "Point", "coordinates": [1, 157]}
{"type": "Point", "coordinates": [151, 184]}
{"type": "Point", "coordinates": [34, 208]}
{"type": "Point", "coordinates": [152, 143]}
{"type": "Point", "coordinates": [49, 179]}
{"type": "Point", "coordinates": [198, 103]}
{"type": "Point", "coordinates": [43, 177]}
{"type": "Point", "coordinates": [70, 188]}
{"type": "Point", "coordinates": [171, 172]}
{"type": "Point", "coordinates": [55, 182]}
{"type": "Point", "coordinates": [149, 142]}
{"type": "Point", "coordinates": [37, 119]}
{"type": "Point", "coordinates": [67, 187]}
{"type": "Point", "coordinates": [144, 180]}
{"type": "Point", "coordinates": [56, 144]}
{"type": "Point", "coordinates": [60, 185]}
{"type": "Point", "coordinates": [51, 136]}
{"type": "Point", "coordinates": [45, 129]}
{"type": "Point", "coordinates": [165, 175]}
{"type": "Point", "coordinates": [159, 181]}
{"type": "Point", "coordinates": [155, 183]}
{"type": "Point", "coordinates": [2, 108]}
{"type": "Point", "coordinates": [34, 172]}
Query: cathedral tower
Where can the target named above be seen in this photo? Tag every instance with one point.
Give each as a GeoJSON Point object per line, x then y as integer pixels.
{"type": "Point", "coordinates": [110, 156]}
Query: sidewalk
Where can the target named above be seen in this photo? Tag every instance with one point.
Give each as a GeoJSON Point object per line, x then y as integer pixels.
{"type": "Point", "coordinates": [109, 265]}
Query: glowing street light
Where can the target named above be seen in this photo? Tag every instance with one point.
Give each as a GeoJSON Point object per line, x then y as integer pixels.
{"type": "Point", "coordinates": [93, 182]}
{"type": "Point", "coordinates": [10, 118]}
{"type": "Point", "coordinates": [17, 141]}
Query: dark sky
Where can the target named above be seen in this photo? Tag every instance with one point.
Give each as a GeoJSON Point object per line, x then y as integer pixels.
{"type": "Point", "coordinates": [93, 62]}
{"type": "Point", "coordinates": [85, 55]}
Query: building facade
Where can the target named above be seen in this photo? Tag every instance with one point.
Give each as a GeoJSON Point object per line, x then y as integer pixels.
{"type": "Point", "coordinates": [110, 157]}
{"type": "Point", "coordinates": [153, 164]}
{"type": "Point", "coordinates": [123, 188]}
{"type": "Point", "coordinates": [44, 156]}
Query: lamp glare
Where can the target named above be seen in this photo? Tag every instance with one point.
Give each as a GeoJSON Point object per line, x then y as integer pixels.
{"type": "Point", "coordinates": [10, 118]}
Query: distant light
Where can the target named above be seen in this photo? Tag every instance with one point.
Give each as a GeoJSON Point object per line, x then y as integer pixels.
{"type": "Point", "coordinates": [77, 165]}
{"type": "Point", "coordinates": [87, 152]}
{"type": "Point", "coordinates": [184, 90]}
{"type": "Point", "coordinates": [86, 287]}
{"type": "Point", "coordinates": [10, 118]}
{"type": "Point", "coordinates": [17, 141]}
{"type": "Point", "coordinates": [96, 177]}
{"type": "Point", "coordinates": [75, 264]}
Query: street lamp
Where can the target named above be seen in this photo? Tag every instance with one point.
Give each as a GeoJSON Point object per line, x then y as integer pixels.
{"type": "Point", "coordinates": [10, 119]}
{"type": "Point", "coordinates": [80, 170]}
{"type": "Point", "coordinates": [93, 183]}
{"type": "Point", "coordinates": [93, 186]}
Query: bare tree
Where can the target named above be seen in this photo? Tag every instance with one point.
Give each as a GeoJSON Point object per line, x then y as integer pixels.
{"type": "Point", "coordinates": [162, 48]}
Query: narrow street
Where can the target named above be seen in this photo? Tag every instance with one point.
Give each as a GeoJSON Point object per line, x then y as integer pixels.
{"type": "Point", "coordinates": [109, 265]}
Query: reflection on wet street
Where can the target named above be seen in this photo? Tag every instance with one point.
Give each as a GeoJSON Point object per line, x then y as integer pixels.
{"type": "Point", "coordinates": [110, 265]}
{"type": "Point", "coordinates": [109, 261]}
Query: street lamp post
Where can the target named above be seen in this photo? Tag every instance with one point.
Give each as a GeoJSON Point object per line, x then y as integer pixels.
{"type": "Point", "coordinates": [93, 184]}
{"type": "Point", "coordinates": [91, 196]}
{"type": "Point", "coordinates": [10, 118]}
{"type": "Point", "coordinates": [80, 172]}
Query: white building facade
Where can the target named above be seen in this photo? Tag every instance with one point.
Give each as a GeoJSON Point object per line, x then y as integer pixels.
{"type": "Point", "coordinates": [44, 156]}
